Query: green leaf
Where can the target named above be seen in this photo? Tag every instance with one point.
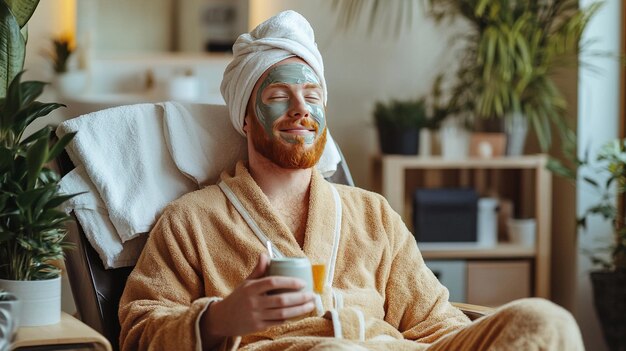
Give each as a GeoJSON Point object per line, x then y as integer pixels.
{"type": "Point", "coordinates": [557, 167]}
{"type": "Point", "coordinates": [24, 32]}
{"type": "Point", "coordinates": [42, 201]}
{"type": "Point", "coordinates": [582, 222]}
{"type": "Point", "coordinates": [591, 181]}
{"type": "Point", "coordinates": [6, 158]}
{"type": "Point", "coordinates": [43, 132]}
{"type": "Point", "coordinates": [46, 271]}
{"type": "Point", "coordinates": [48, 176]}
{"type": "Point", "coordinates": [30, 90]}
{"type": "Point", "coordinates": [5, 236]}
{"type": "Point", "coordinates": [480, 7]}
{"type": "Point", "coordinates": [27, 198]}
{"type": "Point", "coordinates": [22, 9]}
{"type": "Point", "coordinates": [607, 211]}
{"type": "Point", "coordinates": [12, 48]}
{"type": "Point", "coordinates": [13, 97]}
{"type": "Point", "coordinates": [10, 213]}
{"type": "Point", "coordinates": [60, 145]}
{"type": "Point", "coordinates": [609, 182]}
{"type": "Point", "coordinates": [33, 111]}
{"type": "Point", "coordinates": [36, 157]}
{"type": "Point", "coordinates": [59, 199]}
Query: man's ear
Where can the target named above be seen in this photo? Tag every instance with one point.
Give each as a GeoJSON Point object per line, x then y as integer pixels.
{"type": "Point", "coordinates": [246, 124]}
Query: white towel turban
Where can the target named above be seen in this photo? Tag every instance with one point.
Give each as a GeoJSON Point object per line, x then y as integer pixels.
{"type": "Point", "coordinates": [285, 35]}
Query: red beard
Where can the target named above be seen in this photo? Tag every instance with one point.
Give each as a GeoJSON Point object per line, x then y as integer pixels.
{"type": "Point", "coordinates": [287, 155]}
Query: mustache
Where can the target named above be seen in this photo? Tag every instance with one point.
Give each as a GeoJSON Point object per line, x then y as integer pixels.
{"type": "Point", "coordinates": [307, 123]}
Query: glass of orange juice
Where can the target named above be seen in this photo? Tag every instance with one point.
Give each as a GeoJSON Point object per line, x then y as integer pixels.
{"type": "Point", "coordinates": [319, 276]}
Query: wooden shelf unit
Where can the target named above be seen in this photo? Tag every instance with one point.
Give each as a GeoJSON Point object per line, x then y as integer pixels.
{"type": "Point", "coordinates": [524, 179]}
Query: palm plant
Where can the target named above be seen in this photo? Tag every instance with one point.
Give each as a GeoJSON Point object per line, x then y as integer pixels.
{"type": "Point", "coordinates": [514, 49]}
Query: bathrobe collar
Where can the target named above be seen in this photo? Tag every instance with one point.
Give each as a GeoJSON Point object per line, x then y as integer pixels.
{"type": "Point", "coordinates": [320, 226]}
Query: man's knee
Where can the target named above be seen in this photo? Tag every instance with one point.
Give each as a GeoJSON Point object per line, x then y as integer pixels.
{"type": "Point", "coordinates": [543, 321]}
{"type": "Point", "coordinates": [540, 313]}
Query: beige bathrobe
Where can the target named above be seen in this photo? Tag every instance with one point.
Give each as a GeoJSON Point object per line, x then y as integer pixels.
{"type": "Point", "coordinates": [382, 295]}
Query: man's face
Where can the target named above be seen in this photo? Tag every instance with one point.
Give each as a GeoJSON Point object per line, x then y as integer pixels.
{"type": "Point", "coordinates": [286, 115]}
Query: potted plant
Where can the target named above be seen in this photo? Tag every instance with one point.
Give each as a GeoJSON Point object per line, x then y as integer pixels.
{"type": "Point", "coordinates": [67, 81]}
{"type": "Point", "coordinates": [399, 123]}
{"type": "Point", "coordinates": [511, 55]}
{"type": "Point", "coordinates": [62, 49]}
{"type": "Point", "coordinates": [31, 228]}
{"type": "Point", "coordinates": [609, 282]}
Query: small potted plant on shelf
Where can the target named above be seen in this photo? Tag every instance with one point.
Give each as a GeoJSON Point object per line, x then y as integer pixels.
{"type": "Point", "coordinates": [62, 48]}
{"type": "Point", "coordinates": [609, 282]}
{"type": "Point", "coordinates": [31, 228]}
{"type": "Point", "coordinates": [399, 123]}
{"type": "Point", "coordinates": [68, 81]}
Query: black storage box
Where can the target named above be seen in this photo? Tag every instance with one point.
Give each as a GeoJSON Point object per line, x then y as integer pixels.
{"type": "Point", "coordinates": [445, 215]}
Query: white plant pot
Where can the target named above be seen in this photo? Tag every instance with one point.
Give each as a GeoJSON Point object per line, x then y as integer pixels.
{"type": "Point", "coordinates": [425, 141]}
{"type": "Point", "coordinates": [41, 300]}
{"type": "Point", "coordinates": [454, 141]}
{"type": "Point", "coordinates": [71, 83]}
{"type": "Point", "coordinates": [516, 127]}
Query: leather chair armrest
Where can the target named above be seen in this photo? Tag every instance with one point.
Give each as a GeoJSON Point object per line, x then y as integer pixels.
{"type": "Point", "coordinates": [473, 311]}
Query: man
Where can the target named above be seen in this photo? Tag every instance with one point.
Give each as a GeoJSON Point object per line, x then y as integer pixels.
{"type": "Point", "coordinates": [200, 282]}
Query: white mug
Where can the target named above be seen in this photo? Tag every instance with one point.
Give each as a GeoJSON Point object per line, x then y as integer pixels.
{"type": "Point", "coordinates": [296, 267]}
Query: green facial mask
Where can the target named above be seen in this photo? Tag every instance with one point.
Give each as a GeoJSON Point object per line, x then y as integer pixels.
{"type": "Point", "coordinates": [291, 73]}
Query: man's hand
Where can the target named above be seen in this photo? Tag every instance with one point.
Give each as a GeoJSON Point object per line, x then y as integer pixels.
{"type": "Point", "coordinates": [250, 309]}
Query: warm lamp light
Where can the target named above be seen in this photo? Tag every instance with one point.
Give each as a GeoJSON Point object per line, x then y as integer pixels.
{"type": "Point", "coordinates": [67, 18]}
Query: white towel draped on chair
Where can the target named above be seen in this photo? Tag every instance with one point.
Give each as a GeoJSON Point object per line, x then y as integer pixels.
{"type": "Point", "coordinates": [93, 217]}
{"type": "Point", "coordinates": [202, 140]}
{"type": "Point", "coordinates": [125, 156]}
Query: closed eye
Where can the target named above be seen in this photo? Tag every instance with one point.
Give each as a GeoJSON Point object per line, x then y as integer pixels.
{"type": "Point", "coordinates": [313, 96]}
{"type": "Point", "coordinates": [314, 99]}
{"type": "Point", "coordinates": [277, 97]}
